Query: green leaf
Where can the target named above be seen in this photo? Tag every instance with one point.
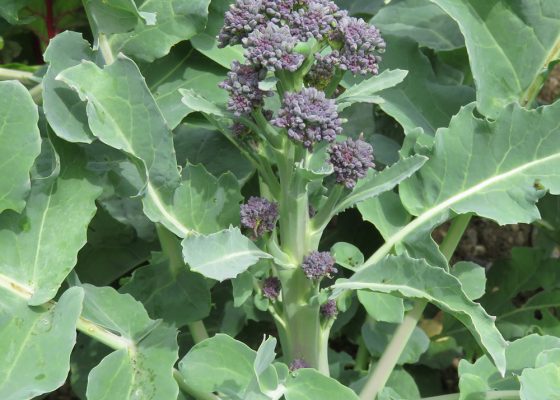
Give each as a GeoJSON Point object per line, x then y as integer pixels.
{"type": "Point", "coordinates": [364, 92]}
{"type": "Point", "coordinates": [347, 255]}
{"type": "Point", "coordinates": [139, 130]}
{"type": "Point", "coordinates": [472, 277]}
{"type": "Point", "coordinates": [411, 278]}
{"type": "Point", "coordinates": [377, 336]}
{"type": "Point", "coordinates": [64, 110]}
{"type": "Point", "coordinates": [153, 284]}
{"type": "Point", "coordinates": [540, 383]}
{"type": "Point", "coordinates": [206, 43]}
{"type": "Point", "coordinates": [196, 102]}
{"type": "Point", "coordinates": [182, 69]}
{"type": "Point", "coordinates": [9, 9]}
{"type": "Point", "coordinates": [234, 358]}
{"type": "Point", "coordinates": [309, 384]}
{"type": "Point", "coordinates": [378, 182]}
{"type": "Point", "coordinates": [493, 30]}
{"type": "Point", "coordinates": [482, 376]}
{"type": "Point", "coordinates": [33, 254]}
{"type": "Point", "coordinates": [35, 342]}
{"type": "Point", "coordinates": [176, 20]}
{"type": "Point", "coordinates": [492, 168]}
{"type": "Point", "coordinates": [20, 143]}
{"type": "Point", "coordinates": [222, 255]}
{"type": "Point", "coordinates": [242, 288]}
{"type": "Point", "coordinates": [143, 367]}
{"type": "Point", "coordinates": [113, 16]}
{"type": "Point", "coordinates": [423, 99]}
{"type": "Point", "coordinates": [421, 21]}
{"type": "Point", "coordinates": [207, 204]}
{"type": "Point", "coordinates": [381, 306]}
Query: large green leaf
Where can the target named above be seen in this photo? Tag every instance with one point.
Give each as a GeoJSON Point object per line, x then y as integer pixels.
{"type": "Point", "coordinates": [222, 255]}
{"type": "Point", "coordinates": [175, 21]}
{"type": "Point", "coordinates": [412, 278]}
{"type": "Point", "coordinates": [65, 112]}
{"type": "Point", "coordinates": [494, 31]}
{"type": "Point", "coordinates": [153, 283]}
{"type": "Point", "coordinates": [58, 210]}
{"type": "Point", "coordinates": [181, 69]}
{"type": "Point", "coordinates": [421, 21]}
{"type": "Point", "coordinates": [423, 99]}
{"type": "Point", "coordinates": [143, 367]}
{"type": "Point", "coordinates": [20, 143]}
{"type": "Point", "coordinates": [540, 383]}
{"type": "Point", "coordinates": [113, 16]}
{"type": "Point", "coordinates": [35, 341]}
{"type": "Point", "coordinates": [123, 114]}
{"type": "Point", "coordinates": [496, 169]}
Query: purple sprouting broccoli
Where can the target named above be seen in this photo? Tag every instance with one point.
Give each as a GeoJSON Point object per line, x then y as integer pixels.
{"type": "Point", "coordinates": [298, 363]}
{"type": "Point", "coordinates": [271, 288]}
{"type": "Point", "coordinates": [358, 45]}
{"type": "Point", "coordinates": [320, 74]}
{"type": "Point", "coordinates": [314, 19]}
{"type": "Point", "coordinates": [240, 20]}
{"type": "Point", "coordinates": [272, 47]}
{"type": "Point", "coordinates": [351, 160]}
{"type": "Point", "coordinates": [309, 117]}
{"type": "Point", "coordinates": [318, 264]}
{"type": "Point", "coordinates": [259, 215]}
{"type": "Point", "coordinates": [329, 309]}
{"type": "Point", "coordinates": [242, 83]}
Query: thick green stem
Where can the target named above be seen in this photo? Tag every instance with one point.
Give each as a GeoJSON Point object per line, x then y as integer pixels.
{"type": "Point", "coordinates": [388, 361]}
{"type": "Point", "coordinates": [492, 395]}
{"type": "Point", "coordinates": [362, 356]}
{"type": "Point", "coordinates": [12, 74]}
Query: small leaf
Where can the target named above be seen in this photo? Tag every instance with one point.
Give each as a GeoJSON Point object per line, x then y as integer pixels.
{"type": "Point", "coordinates": [540, 383]}
{"type": "Point", "coordinates": [309, 384]}
{"type": "Point", "coordinates": [347, 255]}
{"type": "Point", "coordinates": [222, 255]}
{"type": "Point", "coordinates": [198, 103]}
{"type": "Point", "coordinates": [381, 306]}
{"type": "Point", "coordinates": [472, 277]}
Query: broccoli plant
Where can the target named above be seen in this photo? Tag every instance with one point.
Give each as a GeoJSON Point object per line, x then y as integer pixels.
{"type": "Point", "coordinates": [264, 199]}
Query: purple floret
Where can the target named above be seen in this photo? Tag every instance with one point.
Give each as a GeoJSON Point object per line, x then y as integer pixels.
{"type": "Point", "coordinates": [272, 47]}
{"type": "Point", "coordinates": [351, 161]}
{"type": "Point", "coordinates": [314, 19]}
{"type": "Point", "coordinates": [309, 117]}
{"type": "Point", "coordinates": [360, 46]}
{"type": "Point", "coordinates": [240, 20]}
{"type": "Point", "coordinates": [321, 74]}
{"type": "Point", "coordinates": [329, 309]}
{"type": "Point", "coordinates": [318, 264]}
{"type": "Point", "coordinates": [259, 215]}
{"type": "Point", "coordinates": [298, 363]}
{"type": "Point", "coordinates": [271, 288]}
{"type": "Point", "coordinates": [242, 83]}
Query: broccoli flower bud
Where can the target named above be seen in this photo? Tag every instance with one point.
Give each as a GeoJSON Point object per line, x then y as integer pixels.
{"type": "Point", "coordinates": [360, 45]}
{"type": "Point", "coordinates": [259, 215]}
{"type": "Point", "coordinates": [320, 74]}
{"type": "Point", "coordinates": [271, 288]}
{"type": "Point", "coordinates": [272, 47]}
{"type": "Point", "coordinates": [314, 19]}
{"type": "Point", "coordinates": [309, 117]}
{"type": "Point", "coordinates": [298, 363]}
{"type": "Point", "coordinates": [318, 264]}
{"type": "Point", "coordinates": [242, 83]}
{"type": "Point", "coordinates": [329, 309]}
{"type": "Point", "coordinates": [240, 20]}
{"type": "Point", "coordinates": [351, 160]}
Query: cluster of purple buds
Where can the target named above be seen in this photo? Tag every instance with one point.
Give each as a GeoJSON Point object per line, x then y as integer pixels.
{"type": "Point", "coordinates": [272, 47]}
{"type": "Point", "coordinates": [329, 309]}
{"type": "Point", "coordinates": [351, 161]}
{"type": "Point", "coordinates": [318, 264]}
{"type": "Point", "coordinates": [242, 83]}
{"type": "Point", "coordinates": [320, 74]}
{"type": "Point", "coordinates": [360, 45]}
{"type": "Point", "coordinates": [271, 288]}
{"type": "Point", "coordinates": [314, 19]}
{"type": "Point", "coordinates": [259, 215]}
{"type": "Point", "coordinates": [309, 117]}
{"type": "Point", "coordinates": [298, 363]}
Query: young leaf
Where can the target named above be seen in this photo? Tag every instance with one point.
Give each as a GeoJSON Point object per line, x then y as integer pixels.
{"type": "Point", "coordinates": [113, 16]}
{"type": "Point", "coordinates": [364, 92]}
{"type": "Point", "coordinates": [381, 306]}
{"type": "Point", "coordinates": [143, 367]}
{"type": "Point", "coordinates": [492, 31]}
{"type": "Point", "coordinates": [309, 384]}
{"type": "Point", "coordinates": [222, 255]}
{"type": "Point", "coordinates": [472, 277]}
{"type": "Point", "coordinates": [64, 110]}
{"type": "Point", "coordinates": [196, 102]}
{"type": "Point", "coordinates": [540, 383]}
{"type": "Point", "coordinates": [420, 21]}
{"type": "Point", "coordinates": [407, 277]}
{"type": "Point", "coordinates": [20, 143]}
{"type": "Point", "coordinates": [58, 210]}
{"type": "Point", "coordinates": [35, 342]}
